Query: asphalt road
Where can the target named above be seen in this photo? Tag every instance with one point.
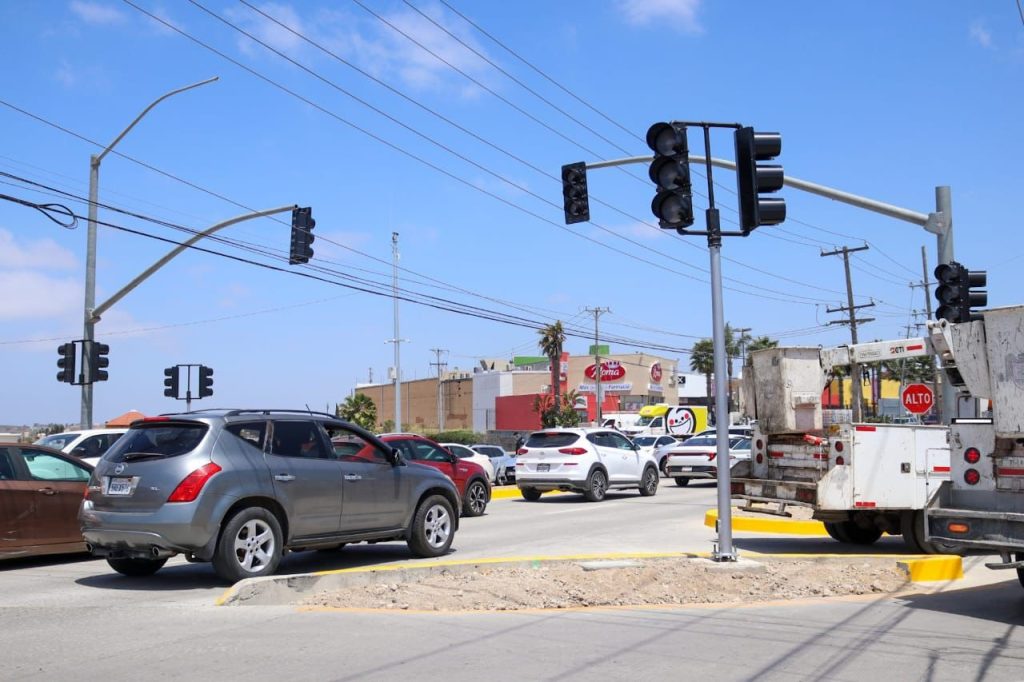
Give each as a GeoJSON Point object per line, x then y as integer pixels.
{"type": "Point", "coordinates": [72, 618]}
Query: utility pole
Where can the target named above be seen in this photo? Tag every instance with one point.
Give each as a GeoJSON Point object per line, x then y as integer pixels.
{"type": "Point", "coordinates": [397, 341]}
{"type": "Point", "coordinates": [855, 378]}
{"type": "Point", "coordinates": [937, 386]}
{"type": "Point", "coordinates": [742, 331]}
{"type": "Point", "coordinates": [440, 394]}
{"type": "Point", "coordinates": [597, 364]}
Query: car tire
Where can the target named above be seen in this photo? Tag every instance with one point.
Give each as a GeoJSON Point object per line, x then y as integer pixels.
{"type": "Point", "coordinates": [433, 527]}
{"type": "Point", "coordinates": [474, 503]}
{"type": "Point", "coordinates": [663, 466]}
{"type": "Point", "coordinates": [858, 535]}
{"type": "Point", "coordinates": [682, 481]}
{"type": "Point", "coordinates": [136, 568]}
{"type": "Point", "coordinates": [250, 545]}
{"type": "Point", "coordinates": [530, 494]}
{"type": "Point", "coordinates": [649, 482]}
{"type": "Point", "coordinates": [500, 479]}
{"type": "Point", "coordinates": [597, 486]}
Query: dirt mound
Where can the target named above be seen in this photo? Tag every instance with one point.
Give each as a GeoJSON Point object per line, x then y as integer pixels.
{"type": "Point", "coordinates": [646, 582]}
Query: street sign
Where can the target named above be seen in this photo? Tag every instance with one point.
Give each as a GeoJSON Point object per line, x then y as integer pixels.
{"type": "Point", "coordinates": [917, 398]}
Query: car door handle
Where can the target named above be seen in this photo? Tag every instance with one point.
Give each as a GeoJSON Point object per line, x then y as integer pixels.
{"type": "Point", "coordinates": [47, 491]}
{"type": "Point", "coordinates": [284, 477]}
{"type": "Point", "coordinates": [353, 477]}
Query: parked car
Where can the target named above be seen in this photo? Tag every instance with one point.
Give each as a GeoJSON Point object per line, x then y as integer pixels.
{"type": "Point", "coordinates": [504, 463]}
{"type": "Point", "coordinates": [87, 445]}
{"type": "Point", "coordinates": [585, 460]}
{"type": "Point", "coordinates": [40, 490]}
{"type": "Point", "coordinates": [242, 487]}
{"type": "Point", "coordinates": [470, 455]}
{"type": "Point", "coordinates": [470, 478]}
{"type": "Point", "coordinates": [657, 446]}
{"type": "Point", "coordinates": [697, 458]}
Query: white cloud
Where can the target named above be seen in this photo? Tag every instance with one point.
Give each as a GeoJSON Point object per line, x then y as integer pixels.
{"type": "Point", "coordinates": [271, 33]}
{"type": "Point", "coordinates": [44, 253]}
{"type": "Point", "coordinates": [980, 34]}
{"type": "Point", "coordinates": [97, 13]}
{"type": "Point", "coordinates": [683, 13]}
{"type": "Point", "coordinates": [35, 295]}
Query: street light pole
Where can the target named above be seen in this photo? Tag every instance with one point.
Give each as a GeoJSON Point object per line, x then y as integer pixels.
{"type": "Point", "coordinates": [89, 319]}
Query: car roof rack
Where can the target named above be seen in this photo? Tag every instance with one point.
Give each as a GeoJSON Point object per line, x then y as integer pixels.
{"type": "Point", "coordinates": [267, 411]}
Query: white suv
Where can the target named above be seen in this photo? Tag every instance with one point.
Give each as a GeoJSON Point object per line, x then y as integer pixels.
{"type": "Point", "coordinates": [86, 444]}
{"type": "Point", "coordinates": [584, 460]}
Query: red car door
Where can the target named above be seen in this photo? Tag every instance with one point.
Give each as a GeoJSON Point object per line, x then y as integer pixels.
{"type": "Point", "coordinates": [52, 491]}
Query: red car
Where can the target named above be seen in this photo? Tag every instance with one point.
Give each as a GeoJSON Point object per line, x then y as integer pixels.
{"type": "Point", "coordinates": [469, 477]}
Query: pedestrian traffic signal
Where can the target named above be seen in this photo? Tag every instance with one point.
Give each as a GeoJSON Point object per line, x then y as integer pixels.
{"type": "Point", "coordinates": [302, 235]}
{"type": "Point", "coordinates": [98, 361]}
{"type": "Point", "coordinates": [753, 179]}
{"type": "Point", "coordinates": [205, 381]}
{"type": "Point", "coordinates": [66, 362]}
{"type": "Point", "coordinates": [954, 292]}
{"type": "Point", "coordinates": [171, 384]}
{"type": "Point", "coordinates": [574, 193]}
{"type": "Point", "coordinates": [670, 171]}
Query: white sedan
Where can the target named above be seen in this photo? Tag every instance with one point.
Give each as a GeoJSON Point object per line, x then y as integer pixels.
{"type": "Point", "coordinates": [658, 446]}
{"type": "Point", "coordinates": [462, 452]}
{"type": "Point", "coordinates": [697, 458]}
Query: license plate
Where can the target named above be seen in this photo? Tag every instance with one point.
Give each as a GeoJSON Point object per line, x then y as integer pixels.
{"type": "Point", "coordinates": [119, 485]}
{"type": "Point", "coordinates": [686, 468]}
{"type": "Point", "coordinates": [543, 467]}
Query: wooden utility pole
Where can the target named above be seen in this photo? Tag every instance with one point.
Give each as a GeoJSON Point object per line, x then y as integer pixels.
{"type": "Point", "coordinates": [597, 365]}
{"type": "Point", "coordinates": [851, 309]}
{"type": "Point", "coordinates": [440, 394]}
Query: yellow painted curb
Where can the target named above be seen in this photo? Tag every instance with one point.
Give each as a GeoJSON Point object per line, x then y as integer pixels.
{"type": "Point", "coordinates": [933, 569]}
{"type": "Point", "coordinates": [507, 492]}
{"type": "Point", "coordinates": [769, 525]}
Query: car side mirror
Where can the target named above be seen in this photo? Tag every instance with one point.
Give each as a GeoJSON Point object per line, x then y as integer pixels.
{"type": "Point", "coordinates": [394, 456]}
{"type": "Point", "coordinates": [635, 446]}
{"type": "Point", "coordinates": [79, 451]}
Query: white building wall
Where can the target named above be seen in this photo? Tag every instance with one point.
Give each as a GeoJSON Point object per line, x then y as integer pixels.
{"type": "Point", "coordinates": [487, 386]}
{"type": "Point", "coordinates": [692, 386]}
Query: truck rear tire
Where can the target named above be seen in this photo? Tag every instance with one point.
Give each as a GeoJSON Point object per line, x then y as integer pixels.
{"type": "Point", "coordinates": [858, 535]}
{"type": "Point", "coordinates": [912, 524]}
{"type": "Point", "coordinates": [1020, 571]}
{"type": "Point", "coordinates": [836, 532]}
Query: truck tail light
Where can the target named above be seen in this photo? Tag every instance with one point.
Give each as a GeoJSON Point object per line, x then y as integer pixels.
{"type": "Point", "coordinates": [840, 461]}
{"type": "Point", "coordinates": [971, 477]}
{"type": "Point", "coordinates": [959, 528]}
{"type": "Point", "coordinates": [805, 496]}
{"type": "Point", "coordinates": [573, 451]}
{"type": "Point", "coordinates": [188, 490]}
{"type": "Point", "coordinates": [838, 446]}
{"type": "Point", "coordinates": [972, 455]}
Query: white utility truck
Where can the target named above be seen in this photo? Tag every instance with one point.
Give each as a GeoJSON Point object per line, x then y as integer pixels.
{"type": "Point", "coordinates": [860, 479]}
{"type": "Point", "coordinates": [981, 507]}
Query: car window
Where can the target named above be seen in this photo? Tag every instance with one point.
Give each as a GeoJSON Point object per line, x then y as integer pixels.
{"type": "Point", "coordinates": [491, 451]}
{"type": "Point", "coordinates": [158, 438]}
{"type": "Point", "coordinates": [701, 440]}
{"type": "Point", "coordinates": [423, 451]}
{"type": "Point", "coordinates": [617, 440]}
{"type": "Point", "coordinates": [647, 440]}
{"type": "Point", "coordinates": [460, 451]}
{"type": "Point", "coordinates": [349, 446]}
{"type": "Point", "coordinates": [298, 439]}
{"type": "Point", "coordinates": [253, 433]}
{"type": "Point", "coordinates": [6, 466]}
{"type": "Point", "coordinates": [44, 466]}
{"type": "Point", "coordinates": [551, 439]}
{"type": "Point", "coordinates": [58, 441]}
{"type": "Point", "coordinates": [666, 440]}
{"type": "Point", "coordinates": [741, 444]}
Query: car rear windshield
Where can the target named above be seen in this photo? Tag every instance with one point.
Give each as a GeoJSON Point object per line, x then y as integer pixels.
{"type": "Point", "coordinates": [645, 440]}
{"type": "Point", "coordinates": [157, 440]}
{"type": "Point", "coordinates": [557, 439]}
{"type": "Point", "coordinates": [58, 441]}
{"type": "Point", "coordinates": [701, 440]}
{"type": "Point", "coordinates": [493, 452]}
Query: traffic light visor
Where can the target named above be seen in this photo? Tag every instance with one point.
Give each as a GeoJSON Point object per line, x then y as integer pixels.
{"type": "Point", "coordinates": [670, 173]}
{"type": "Point", "coordinates": [667, 139]}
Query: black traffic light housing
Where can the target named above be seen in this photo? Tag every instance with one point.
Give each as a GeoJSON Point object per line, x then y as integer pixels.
{"type": "Point", "coordinates": [753, 179]}
{"type": "Point", "coordinates": [205, 381]}
{"type": "Point", "coordinates": [302, 235]}
{"type": "Point", "coordinates": [171, 382]}
{"type": "Point", "coordinates": [575, 198]}
{"type": "Point", "coordinates": [954, 292]}
{"type": "Point", "coordinates": [66, 362]}
{"type": "Point", "coordinates": [670, 171]}
{"type": "Point", "coordinates": [98, 361]}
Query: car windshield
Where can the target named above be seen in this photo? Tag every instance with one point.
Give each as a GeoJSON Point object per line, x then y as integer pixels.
{"type": "Point", "coordinates": [701, 440]}
{"type": "Point", "coordinates": [158, 440]}
{"type": "Point", "coordinates": [740, 444]}
{"type": "Point", "coordinates": [645, 440]}
{"type": "Point", "coordinates": [58, 441]}
{"type": "Point", "coordinates": [551, 439]}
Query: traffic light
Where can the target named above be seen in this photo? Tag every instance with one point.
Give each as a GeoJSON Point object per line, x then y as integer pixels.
{"type": "Point", "coordinates": [752, 179]}
{"type": "Point", "coordinates": [574, 193]}
{"type": "Point", "coordinates": [205, 381]}
{"type": "Point", "coordinates": [171, 384]}
{"type": "Point", "coordinates": [670, 171]}
{"type": "Point", "coordinates": [97, 361]}
{"type": "Point", "coordinates": [66, 362]}
{"type": "Point", "coordinates": [302, 235]}
{"type": "Point", "coordinates": [954, 292]}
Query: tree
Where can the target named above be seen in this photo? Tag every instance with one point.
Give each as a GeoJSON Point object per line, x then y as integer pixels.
{"type": "Point", "coordinates": [562, 413]}
{"type": "Point", "coordinates": [552, 337]}
{"type": "Point", "coordinates": [359, 409]}
{"type": "Point", "coordinates": [760, 343]}
{"type": "Point", "coordinates": [702, 361]}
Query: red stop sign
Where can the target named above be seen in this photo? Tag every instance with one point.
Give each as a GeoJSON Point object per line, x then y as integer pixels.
{"type": "Point", "coordinates": [918, 398]}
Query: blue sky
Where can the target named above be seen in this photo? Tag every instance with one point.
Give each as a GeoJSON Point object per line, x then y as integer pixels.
{"type": "Point", "coordinates": [885, 100]}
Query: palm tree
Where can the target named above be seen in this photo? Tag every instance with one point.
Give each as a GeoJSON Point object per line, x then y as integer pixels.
{"type": "Point", "coordinates": [702, 361]}
{"type": "Point", "coordinates": [760, 343]}
{"type": "Point", "coordinates": [551, 339]}
{"type": "Point", "coordinates": [359, 409]}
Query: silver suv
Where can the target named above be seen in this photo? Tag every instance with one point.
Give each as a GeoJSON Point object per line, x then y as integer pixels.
{"type": "Point", "coordinates": [242, 487]}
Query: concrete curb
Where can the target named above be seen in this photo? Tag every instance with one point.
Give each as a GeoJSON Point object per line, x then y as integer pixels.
{"type": "Point", "coordinates": [509, 492]}
{"type": "Point", "coordinates": [769, 525]}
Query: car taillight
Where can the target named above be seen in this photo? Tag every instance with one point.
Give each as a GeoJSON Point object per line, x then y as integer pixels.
{"type": "Point", "coordinates": [188, 489]}
{"type": "Point", "coordinates": [972, 455]}
{"type": "Point", "coordinates": [711, 456]}
{"type": "Point", "coordinates": [971, 476]}
{"type": "Point", "coordinates": [838, 446]}
{"type": "Point", "coordinates": [573, 451]}
{"type": "Point", "coordinates": [521, 451]}
{"type": "Point", "coordinates": [953, 527]}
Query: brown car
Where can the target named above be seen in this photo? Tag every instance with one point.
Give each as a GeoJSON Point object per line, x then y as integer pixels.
{"type": "Point", "coordinates": [40, 492]}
